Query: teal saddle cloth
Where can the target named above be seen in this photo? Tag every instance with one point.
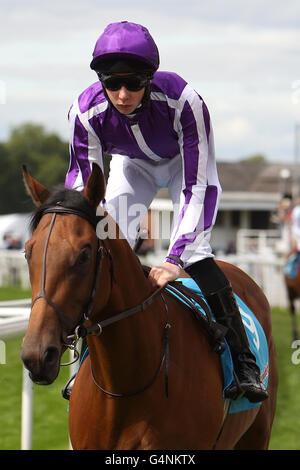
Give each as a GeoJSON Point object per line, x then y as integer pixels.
{"type": "Point", "coordinates": [257, 341]}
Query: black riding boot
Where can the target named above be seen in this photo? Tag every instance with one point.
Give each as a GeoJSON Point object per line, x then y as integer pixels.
{"type": "Point", "coordinates": [218, 293]}
{"type": "Point", "coordinates": [248, 382]}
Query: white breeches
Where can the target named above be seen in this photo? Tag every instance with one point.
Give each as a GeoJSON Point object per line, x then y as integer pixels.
{"type": "Point", "coordinates": [131, 187]}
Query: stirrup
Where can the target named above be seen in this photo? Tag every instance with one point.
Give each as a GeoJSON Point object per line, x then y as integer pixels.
{"type": "Point", "coordinates": [254, 392]}
{"type": "Point", "coordinates": [234, 391]}
{"type": "Point", "coordinates": [66, 391]}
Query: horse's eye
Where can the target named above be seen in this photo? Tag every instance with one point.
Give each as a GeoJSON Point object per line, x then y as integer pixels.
{"type": "Point", "coordinates": [84, 256]}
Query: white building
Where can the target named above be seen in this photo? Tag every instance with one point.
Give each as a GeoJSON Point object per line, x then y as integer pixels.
{"type": "Point", "coordinates": [251, 194]}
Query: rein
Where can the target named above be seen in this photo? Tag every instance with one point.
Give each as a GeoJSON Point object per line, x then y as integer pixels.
{"type": "Point", "coordinates": [165, 357]}
{"type": "Point", "coordinates": [83, 331]}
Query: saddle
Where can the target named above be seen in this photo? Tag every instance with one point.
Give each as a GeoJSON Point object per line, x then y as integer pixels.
{"type": "Point", "coordinates": [199, 309]}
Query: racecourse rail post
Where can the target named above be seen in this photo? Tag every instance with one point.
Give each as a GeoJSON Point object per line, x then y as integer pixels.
{"type": "Point", "coordinates": [27, 411]}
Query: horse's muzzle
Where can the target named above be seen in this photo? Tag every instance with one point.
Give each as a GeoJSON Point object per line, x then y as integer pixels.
{"type": "Point", "coordinates": [43, 366]}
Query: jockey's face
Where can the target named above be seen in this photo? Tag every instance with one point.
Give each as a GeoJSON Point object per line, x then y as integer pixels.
{"type": "Point", "coordinates": [124, 100]}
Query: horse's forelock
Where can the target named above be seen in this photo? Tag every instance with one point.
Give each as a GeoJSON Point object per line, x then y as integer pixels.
{"type": "Point", "coordinates": [66, 197]}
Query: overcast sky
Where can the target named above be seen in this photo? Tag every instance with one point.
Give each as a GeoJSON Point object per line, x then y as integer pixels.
{"type": "Point", "coordinates": [242, 56]}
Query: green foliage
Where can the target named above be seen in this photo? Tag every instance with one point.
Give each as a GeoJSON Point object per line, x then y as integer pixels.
{"type": "Point", "coordinates": [256, 158]}
{"type": "Point", "coordinates": [46, 157]}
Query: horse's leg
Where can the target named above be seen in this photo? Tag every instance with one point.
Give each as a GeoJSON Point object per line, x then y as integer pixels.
{"type": "Point", "coordinates": [257, 437]}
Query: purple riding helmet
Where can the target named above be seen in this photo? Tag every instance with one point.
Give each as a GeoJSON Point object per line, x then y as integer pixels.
{"type": "Point", "coordinates": [125, 41]}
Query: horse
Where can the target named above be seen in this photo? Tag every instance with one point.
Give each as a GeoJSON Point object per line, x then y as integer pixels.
{"type": "Point", "coordinates": [152, 378]}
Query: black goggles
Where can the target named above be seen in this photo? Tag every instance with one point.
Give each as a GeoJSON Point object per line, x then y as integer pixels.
{"type": "Point", "coordinates": [131, 82]}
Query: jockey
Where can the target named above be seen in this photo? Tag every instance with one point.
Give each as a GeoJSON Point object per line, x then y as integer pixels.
{"type": "Point", "coordinates": [158, 131]}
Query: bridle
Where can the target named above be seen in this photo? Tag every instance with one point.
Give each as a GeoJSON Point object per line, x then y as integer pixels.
{"type": "Point", "coordinates": [76, 325]}
{"type": "Point", "coordinates": [69, 324]}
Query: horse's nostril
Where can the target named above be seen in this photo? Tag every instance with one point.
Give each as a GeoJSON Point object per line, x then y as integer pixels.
{"type": "Point", "coordinates": [51, 356]}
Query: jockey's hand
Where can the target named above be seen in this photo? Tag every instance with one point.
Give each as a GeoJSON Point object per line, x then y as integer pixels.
{"type": "Point", "coordinates": [166, 272]}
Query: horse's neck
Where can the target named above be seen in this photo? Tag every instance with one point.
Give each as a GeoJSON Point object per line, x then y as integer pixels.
{"type": "Point", "coordinates": [128, 351]}
{"type": "Point", "coordinates": [130, 286]}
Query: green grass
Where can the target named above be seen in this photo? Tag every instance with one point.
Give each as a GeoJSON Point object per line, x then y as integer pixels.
{"type": "Point", "coordinates": [14, 293]}
{"type": "Point", "coordinates": [50, 417]}
{"type": "Point", "coordinates": [286, 434]}
{"type": "Point", "coordinates": [50, 429]}
{"type": "Point", "coordinates": [50, 426]}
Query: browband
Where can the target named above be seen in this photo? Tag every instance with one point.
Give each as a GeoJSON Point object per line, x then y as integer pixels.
{"type": "Point", "coordinates": [92, 219]}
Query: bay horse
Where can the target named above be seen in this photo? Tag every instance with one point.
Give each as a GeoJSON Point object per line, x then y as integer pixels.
{"type": "Point", "coordinates": [150, 343]}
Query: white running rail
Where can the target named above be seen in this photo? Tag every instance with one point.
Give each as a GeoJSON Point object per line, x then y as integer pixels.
{"type": "Point", "coordinates": [14, 317]}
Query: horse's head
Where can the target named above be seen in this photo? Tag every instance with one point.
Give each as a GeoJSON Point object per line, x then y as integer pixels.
{"type": "Point", "coordinates": [62, 256]}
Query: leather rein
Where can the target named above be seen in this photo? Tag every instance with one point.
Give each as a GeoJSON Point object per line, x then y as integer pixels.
{"type": "Point", "coordinates": [81, 331]}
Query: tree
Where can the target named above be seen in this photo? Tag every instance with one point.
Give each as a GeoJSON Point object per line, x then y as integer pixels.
{"type": "Point", "coordinates": [256, 158]}
{"type": "Point", "coordinates": [46, 157]}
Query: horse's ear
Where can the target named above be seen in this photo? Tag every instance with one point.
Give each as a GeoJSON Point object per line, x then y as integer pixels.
{"type": "Point", "coordinates": [94, 190]}
{"type": "Point", "coordinates": [36, 190]}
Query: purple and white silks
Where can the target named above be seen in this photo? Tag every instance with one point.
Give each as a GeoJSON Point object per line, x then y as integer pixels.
{"type": "Point", "coordinates": [176, 122]}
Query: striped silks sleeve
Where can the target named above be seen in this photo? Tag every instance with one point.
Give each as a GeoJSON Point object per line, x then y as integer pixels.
{"type": "Point", "coordinates": [85, 148]}
{"type": "Point", "coordinates": [200, 185]}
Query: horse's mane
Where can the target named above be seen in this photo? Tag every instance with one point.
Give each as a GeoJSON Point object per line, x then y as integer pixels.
{"type": "Point", "coordinates": [69, 198]}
